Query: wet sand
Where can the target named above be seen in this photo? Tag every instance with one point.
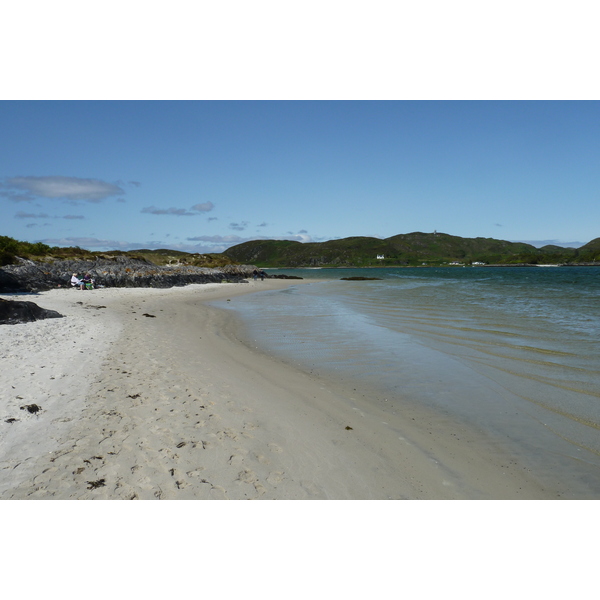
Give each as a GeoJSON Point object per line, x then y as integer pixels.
{"type": "Point", "coordinates": [153, 394]}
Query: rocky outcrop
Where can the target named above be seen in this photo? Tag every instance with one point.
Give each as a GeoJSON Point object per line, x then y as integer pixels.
{"type": "Point", "coordinates": [18, 311]}
{"type": "Point", "coordinates": [122, 271]}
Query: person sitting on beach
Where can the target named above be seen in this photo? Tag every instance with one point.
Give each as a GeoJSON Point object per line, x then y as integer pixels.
{"type": "Point", "coordinates": [88, 282]}
{"type": "Point", "coordinates": [76, 282]}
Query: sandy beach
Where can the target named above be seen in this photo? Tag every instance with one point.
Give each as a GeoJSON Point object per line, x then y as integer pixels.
{"type": "Point", "coordinates": [153, 394]}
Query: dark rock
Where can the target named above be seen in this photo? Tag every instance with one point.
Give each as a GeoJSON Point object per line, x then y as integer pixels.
{"type": "Point", "coordinates": [120, 271]}
{"type": "Point", "coordinates": [18, 311]}
{"type": "Point", "coordinates": [360, 279]}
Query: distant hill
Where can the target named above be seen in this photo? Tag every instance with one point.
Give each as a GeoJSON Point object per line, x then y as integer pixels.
{"type": "Point", "coordinates": [10, 249]}
{"type": "Point", "coordinates": [411, 249]}
{"type": "Point", "coordinates": [590, 252]}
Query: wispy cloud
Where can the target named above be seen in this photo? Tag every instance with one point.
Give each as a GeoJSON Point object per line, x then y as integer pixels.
{"type": "Point", "coordinates": [24, 215]}
{"type": "Point", "coordinates": [180, 212]}
{"type": "Point", "coordinates": [91, 243]}
{"type": "Point", "coordinates": [238, 226]}
{"type": "Point", "coordinates": [29, 188]}
{"type": "Point", "coordinates": [14, 197]}
{"type": "Point", "coordinates": [219, 239]}
{"type": "Point", "coordinates": [204, 207]}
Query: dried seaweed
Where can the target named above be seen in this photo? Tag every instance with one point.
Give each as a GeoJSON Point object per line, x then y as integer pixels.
{"type": "Point", "coordinates": [96, 484]}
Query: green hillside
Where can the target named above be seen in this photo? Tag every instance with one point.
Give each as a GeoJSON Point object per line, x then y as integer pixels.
{"type": "Point", "coordinates": [11, 248]}
{"type": "Point", "coordinates": [590, 252]}
{"type": "Point", "coordinates": [411, 249]}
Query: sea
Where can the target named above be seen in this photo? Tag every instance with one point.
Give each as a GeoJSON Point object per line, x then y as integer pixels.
{"type": "Point", "coordinates": [513, 352]}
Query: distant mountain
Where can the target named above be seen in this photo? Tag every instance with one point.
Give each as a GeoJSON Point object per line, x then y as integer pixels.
{"type": "Point", "coordinates": [541, 243]}
{"type": "Point", "coordinates": [411, 249]}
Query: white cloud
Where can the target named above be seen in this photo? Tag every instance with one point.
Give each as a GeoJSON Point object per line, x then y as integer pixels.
{"type": "Point", "coordinates": [204, 207]}
{"type": "Point", "coordinates": [179, 212]}
{"type": "Point", "coordinates": [65, 188]}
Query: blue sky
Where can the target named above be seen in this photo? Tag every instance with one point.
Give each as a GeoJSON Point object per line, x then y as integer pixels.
{"type": "Point", "coordinates": [204, 175]}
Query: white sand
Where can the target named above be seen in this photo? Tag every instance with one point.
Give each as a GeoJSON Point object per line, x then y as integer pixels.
{"type": "Point", "coordinates": [174, 406]}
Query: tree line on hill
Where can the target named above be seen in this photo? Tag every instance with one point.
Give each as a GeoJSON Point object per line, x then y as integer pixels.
{"type": "Point", "coordinates": [412, 249]}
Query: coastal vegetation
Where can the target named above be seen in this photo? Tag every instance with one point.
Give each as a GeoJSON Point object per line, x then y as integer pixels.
{"type": "Point", "coordinates": [412, 249]}
{"type": "Point", "coordinates": [10, 249]}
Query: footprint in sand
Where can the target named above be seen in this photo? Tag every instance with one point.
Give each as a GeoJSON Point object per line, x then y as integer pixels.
{"type": "Point", "coordinates": [227, 433]}
{"type": "Point", "coordinates": [218, 493]}
{"type": "Point", "coordinates": [260, 488]}
{"type": "Point", "coordinates": [195, 472]}
{"type": "Point", "coordinates": [248, 476]}
{"type": "Point", "coordinates": [275, 448]}
{"type": "Point", "coordinates": [274, 478]}
{"type": "Point", "coordinates": [235, 460]}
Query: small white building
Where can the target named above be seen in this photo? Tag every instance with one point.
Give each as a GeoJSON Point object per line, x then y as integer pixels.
{"type": "Point", "coordinates": [380, 257]}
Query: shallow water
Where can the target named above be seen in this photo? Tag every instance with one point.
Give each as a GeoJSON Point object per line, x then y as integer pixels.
{"type": "Point", "coordinates": [514, 352]}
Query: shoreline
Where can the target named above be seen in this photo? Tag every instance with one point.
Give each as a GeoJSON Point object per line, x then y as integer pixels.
{"type": "Point", "coordinates": [164, 397]}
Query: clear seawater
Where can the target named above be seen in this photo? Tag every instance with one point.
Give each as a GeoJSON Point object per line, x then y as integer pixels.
{"type": "Point", "coordinates": [514, 352]}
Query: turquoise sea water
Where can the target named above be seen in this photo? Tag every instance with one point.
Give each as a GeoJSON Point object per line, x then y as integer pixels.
{"type": "Point", "coordinates": [514, 352]}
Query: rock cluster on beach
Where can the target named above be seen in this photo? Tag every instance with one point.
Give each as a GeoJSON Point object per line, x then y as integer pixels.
{"type": "Point", "coordinates": [18, 311]}
{"type": "Point", "coordinates": [121, 271]}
